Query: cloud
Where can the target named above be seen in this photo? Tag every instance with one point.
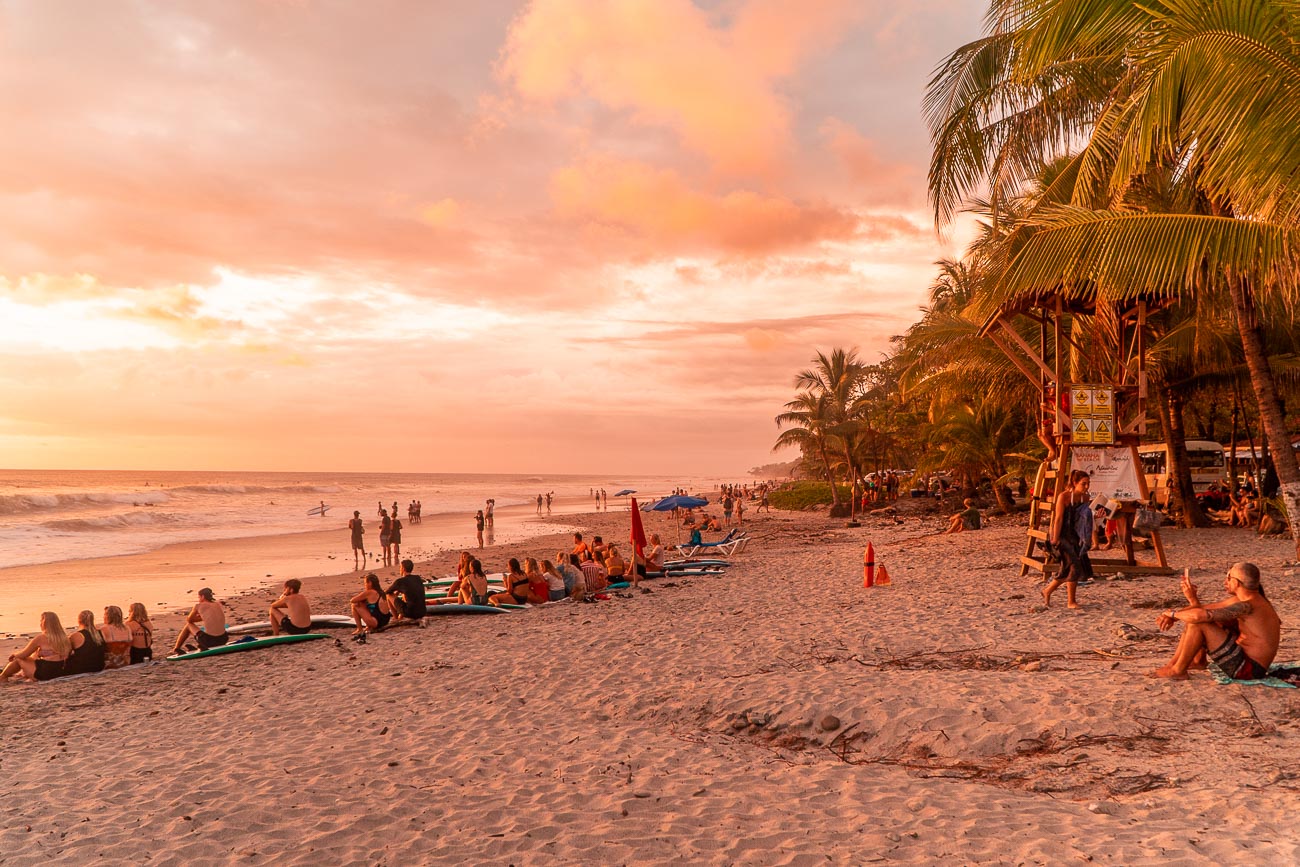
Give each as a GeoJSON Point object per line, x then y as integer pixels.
{"type": "Point", "coordinates": [713, 81]}
{"type": "Point", "coordinates": [658, 206]}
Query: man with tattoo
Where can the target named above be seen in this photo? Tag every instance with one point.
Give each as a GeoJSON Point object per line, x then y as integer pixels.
{"type": "Point", "coordinates": [1239, 635]}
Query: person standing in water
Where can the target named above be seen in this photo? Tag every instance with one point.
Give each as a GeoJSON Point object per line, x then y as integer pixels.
{"type": "Point", "coordinates": [478, 526]}
{"type": "Point", "coordinates": [358, 529]}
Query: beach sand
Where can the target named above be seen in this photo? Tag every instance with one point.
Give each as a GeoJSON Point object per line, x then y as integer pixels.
{"type": "Point", "coordinates": [777, 714]}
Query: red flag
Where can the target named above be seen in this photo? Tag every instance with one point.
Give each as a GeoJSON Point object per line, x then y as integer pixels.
{"type": "Point", "coordinates": [638, 532]}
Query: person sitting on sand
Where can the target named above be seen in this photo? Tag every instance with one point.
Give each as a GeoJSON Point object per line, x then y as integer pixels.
{"type": "Point", "coordinates": [615, 565]}
{"type": "Point", "coordinates": [967, 519]}
{"type": "Point", "coordinates": [370, 609]}
{"type": "Point", "coordinates": [598, 547]}
{"type": "Point", "coordinates": [1239, 635]}
{"type": "Point", "coordinates": [575, 586]}
{"type": "Point", "coordinates": [206, 622]}
{"type": "Point", "coordinates": [556, 586]}
{"type": "Point", "coordinates": [358, 530]}
{"type": "Point", "coordinates": [516, 592]}
{"type": "Point", "coordinates": [539, 588]}
{"type": "Point", "coordinates": [651, 558]}
{"type": "Point", "coordinates": [291, 613]}
{"type": "Point", "coordinates": [580, 547]}
{"type": "Point", "coordinates": [594, 575]}
{"type": "Point", "coordinates": [87, 646]}
{"type": "Point", "coordinates": [45, 656]}
{"type": "Point", "coordinates": [406, 596]}
{"type": "Point", "coordinates": [474, 586]}
{"type": "Point", "coordinates": [117, 639]}
{"type": "Point", "coordinates": [1071, 533]}
{"type": "Point", "coordinates": [141, 634]}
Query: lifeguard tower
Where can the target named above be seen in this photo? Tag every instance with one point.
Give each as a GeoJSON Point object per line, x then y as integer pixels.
{"type": "Point", "coordinates": [1093, 403]}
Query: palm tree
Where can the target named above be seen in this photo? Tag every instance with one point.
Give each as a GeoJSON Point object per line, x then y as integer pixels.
{"type": "Point", "coordinates": [839, 378]}
{"type": "Point", "coordinates": [1208, 92]}
{"type": "Point", "coordinates": [810, 416]}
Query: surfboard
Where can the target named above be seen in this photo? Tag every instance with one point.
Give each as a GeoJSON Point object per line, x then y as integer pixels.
{"type": "Point", "coordinates": [457, 608]}
{"type": "Point", "coordinates": [319, 510]}
{"type": "Point", "coordinates": [249, 644]}
{"type": "Point", "coordinates": [323, 620]}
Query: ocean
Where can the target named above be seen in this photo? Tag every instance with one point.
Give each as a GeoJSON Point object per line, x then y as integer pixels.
{"type": "Point", "coordinates": [51, 516]}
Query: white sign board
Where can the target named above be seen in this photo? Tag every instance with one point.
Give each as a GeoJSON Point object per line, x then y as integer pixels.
{"type": "Point", "coordinates": [1112, 470]}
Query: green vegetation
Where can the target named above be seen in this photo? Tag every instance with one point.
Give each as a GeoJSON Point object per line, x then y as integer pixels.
{"type": "Point", "coordinates": [1109, 150]}
{"type": "Point", "coordinates": [793, 496]}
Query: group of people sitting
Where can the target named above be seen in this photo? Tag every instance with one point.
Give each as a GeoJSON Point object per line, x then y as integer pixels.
{"type": "Point", "coordinates": [53, 652]}
{"type": "Point", "coordinates": [590, 568]}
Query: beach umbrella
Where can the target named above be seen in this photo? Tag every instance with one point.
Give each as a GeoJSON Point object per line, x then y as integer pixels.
{"type": "Point", "coordinates": [638, 534]}
{"type": "Point", "coordinates": [625, 492]}
{"type": "Point", "coordinates": [678, 501]}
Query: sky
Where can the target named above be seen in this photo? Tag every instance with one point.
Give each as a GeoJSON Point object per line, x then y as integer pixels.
{"type": "Point", "coordinates": [543, 236]}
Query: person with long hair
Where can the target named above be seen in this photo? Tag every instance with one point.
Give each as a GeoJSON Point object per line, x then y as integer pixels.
{"type": "Point", "coordinates": [554, 582]}
{"type": "Point", "coordinates": [1072, 535]}
{"type": "Point", "coordinates": [117, 639]}
{"type": "Point", "coordinates": [370, 607]}
{"type": "Point", "coordinates": [474, 586]}
{"type": "Point", "coordinates": [538, 588]}
{"type": "Point", "coordinates": [516, 592]}
{"type": "Point", "coordinates": [88, 649]}
{"type": "Point", "coordinates": [141, 634]}
{"type": "Point", "coordinates": [45, 656]}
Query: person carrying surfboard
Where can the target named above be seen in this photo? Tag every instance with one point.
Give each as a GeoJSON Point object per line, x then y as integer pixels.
{"type": "Point", "coordinates": [206, 622]}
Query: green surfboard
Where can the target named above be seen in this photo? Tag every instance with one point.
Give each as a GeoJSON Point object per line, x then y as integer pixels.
{"type": "Point", "coordinates": [237, 646]}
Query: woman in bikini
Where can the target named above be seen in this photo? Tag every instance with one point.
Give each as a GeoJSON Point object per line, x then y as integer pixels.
{"type": "Point", "coordinates": [141, 634]}
{"type": "Point", "coordinates": [370, 607]}
{"type": "Point", "coordinates": [474, 586]}
{"type": "Point", "coordinates": [117, 639]}
{"type": "Point", "coordinates": [615, 563]}
{"type": "Point", "coordinates": [45, 656]}
{"type": "Point", "coordinates": [516, 592]}
{"type": "Point", "coordinates": [87, 646]}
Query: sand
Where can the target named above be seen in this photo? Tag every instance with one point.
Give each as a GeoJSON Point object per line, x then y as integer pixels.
{"type": "Point", "coordinates": [692, 724]}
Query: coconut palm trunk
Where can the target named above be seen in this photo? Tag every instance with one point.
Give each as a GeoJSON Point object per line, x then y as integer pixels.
{"type": "Point", "coordinates": [1270, 407]}
{"type": "Point", "coordinates": [1182, 491]}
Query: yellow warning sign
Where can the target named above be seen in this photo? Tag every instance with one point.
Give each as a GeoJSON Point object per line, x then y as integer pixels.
{"type": "Point", "coordinates": [1102, 401]}
{"type": "Point", "coordinates": [1103, 432]}
{"type": "Point", "coordinates": [1081, 402]}
{"type": "Point", "coordinates": [1092, 414]}
{"type": "Point", "coordinates": [1082, 432]}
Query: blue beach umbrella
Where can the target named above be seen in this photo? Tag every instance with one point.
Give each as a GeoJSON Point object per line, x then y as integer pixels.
{"type": "Point", "coordinates": [680, 501]}
{"type": "Point", "coordinates": [625, 492]}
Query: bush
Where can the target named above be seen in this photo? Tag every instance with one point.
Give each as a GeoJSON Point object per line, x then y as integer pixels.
{"type": "Point", "coordinates": [795, 496]}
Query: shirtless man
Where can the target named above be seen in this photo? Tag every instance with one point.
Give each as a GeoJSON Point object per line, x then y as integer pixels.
{"type": "Point", "coordinates": [206, 622]}
{"type": "Point", "coordinates": [291, 613]}
{"type": "Point", "coordinates": [358, 529]}
{"type": "Point", "coordinates": [1240, 635]}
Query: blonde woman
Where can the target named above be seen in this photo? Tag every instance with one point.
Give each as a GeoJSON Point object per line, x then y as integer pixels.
{"type": "Point", "coordinates": [141, 634]}
{"type": "Point", "coordinates": [554, 582]}
{"type": "Point", "coordinates": [87, 646]}
{"type": "Point", "coordinates": [117, 639]}
{"type": "Point", "coordinates": [45, 656]}
{"type": "Point", "coordinates": [615, 563]}
{"type": "Point", "coordinates": [538, 588]}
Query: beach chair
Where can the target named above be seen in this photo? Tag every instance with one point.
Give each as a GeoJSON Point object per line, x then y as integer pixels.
{"type": "Point", "coordinates": [696, 544]}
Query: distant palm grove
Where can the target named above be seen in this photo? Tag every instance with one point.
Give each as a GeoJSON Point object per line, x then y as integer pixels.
{"type": "Point", "coordinates": [1109, 150]}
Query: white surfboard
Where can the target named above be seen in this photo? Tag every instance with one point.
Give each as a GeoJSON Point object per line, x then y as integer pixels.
{"type": "Point", "coordinates": [325, 620]}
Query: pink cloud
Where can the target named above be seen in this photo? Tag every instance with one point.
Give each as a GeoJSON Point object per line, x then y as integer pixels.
{"type": "Point", "coordinates": [670, 64]}
{"type": "Point", "coordinates": [657, 206]}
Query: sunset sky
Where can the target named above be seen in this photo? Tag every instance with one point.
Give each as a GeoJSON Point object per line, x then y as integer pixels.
{"type": "Point", "coordinates": [548, 236]}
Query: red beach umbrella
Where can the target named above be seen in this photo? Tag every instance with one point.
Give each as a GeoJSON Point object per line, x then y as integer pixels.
{"type": "Point", "coordinates": [638, 531]}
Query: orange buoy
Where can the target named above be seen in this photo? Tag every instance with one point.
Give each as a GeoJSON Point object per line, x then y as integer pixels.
{"type": "Point", "coordinates": [882, 576]}
{"type": "Point", "coordinates": [869, 566]}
